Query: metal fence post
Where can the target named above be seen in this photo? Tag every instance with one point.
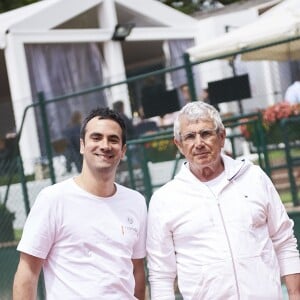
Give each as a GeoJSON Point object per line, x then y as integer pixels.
{"type": "Point", "coordinates": [130, 166]}
{"type": "Point", "coordinates": [190, 77]}
{"type": "Point", "coordinates": [263, 144]}
{"type": "Point", "coordinates": [289, 161]}
{"type": "Point", "coordinates": [45, 124]}
{"type": "Point", "coordinates": [23, 184]}
{"type": "Point", "coordinates": [147, 177]}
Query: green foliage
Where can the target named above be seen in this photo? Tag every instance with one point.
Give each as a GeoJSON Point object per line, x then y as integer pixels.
{"type": "Point", "coordinates": [5, 213]}
{"type": "Point", "coordinates": [18, 234]}
{"type": "Point", "coordinates": [278, 155]}
{"type": "Point", "coordinates": [190, 6]}
{"type": "Point", "coordinates": [6, 5]}
{"type": "Point", "coordinates": [226, 2]}
{"type": "Point", "coordinates": [286, 197]}
{"type": "Point", "coordinates": [185, 6]}
{"type": "Point", "coordinates": [160, 150]}
{"type": "Point", "coordinates": [6, 224]}
{"type": "Point", "coordinates": [5, 179]}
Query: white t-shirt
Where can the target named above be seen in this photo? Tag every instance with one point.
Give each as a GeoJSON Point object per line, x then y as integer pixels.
{"type": "Point", "coordinates": [292, 94]}
{"type": "Point", "coordinates": [216, 185]}
{"type": "Point", "coordinates": [87, 241]}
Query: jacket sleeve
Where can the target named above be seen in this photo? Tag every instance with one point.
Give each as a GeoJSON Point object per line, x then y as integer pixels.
{"type": "Point", "coordinates": [160, 252]}
{"type": "Point", "coordinates": [280, 228]}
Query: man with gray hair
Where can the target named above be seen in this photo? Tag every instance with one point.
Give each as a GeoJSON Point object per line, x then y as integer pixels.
{"type": "Point", "coordinates": [219, 225]}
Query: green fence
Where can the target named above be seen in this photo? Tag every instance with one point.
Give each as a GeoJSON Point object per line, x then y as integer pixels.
{"type": "Point", "coordinates": [151, 161]}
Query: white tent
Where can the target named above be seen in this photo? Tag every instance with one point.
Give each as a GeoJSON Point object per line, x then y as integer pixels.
{"type": "Point", "coordinates": [77, 21]}
{"type": "Point", "coordinates": [275, 35]}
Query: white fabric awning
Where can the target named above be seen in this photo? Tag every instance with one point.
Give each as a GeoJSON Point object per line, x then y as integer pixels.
{"type": "Point", "coordinates": [279, 27]}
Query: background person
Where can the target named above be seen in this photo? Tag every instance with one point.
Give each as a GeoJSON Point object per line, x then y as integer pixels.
{"type": "Point", "coordinates": [206, 99]}
{"type": "Point", "coordinates": [118, 106]}
{"type": "Point", "coordinates": [87, 232]}
{"type": "Point", "coordinates": [145, 126]}
{"type": "Point", "coordinates": [4, 155]}
{"type": "Point", "coordinates": [219, 225]}
{"type": "Point", "coordinates": [185, 92]}
{"type": "Point", "coordinates": [72, 136]}
{"type": "Point", "coordinates": [292, 94]}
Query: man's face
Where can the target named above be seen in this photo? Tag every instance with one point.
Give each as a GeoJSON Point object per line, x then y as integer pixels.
{"type": "Point", "coordinates": [200, 143]}
{"type": "Point", "coordinates": [102, 147]}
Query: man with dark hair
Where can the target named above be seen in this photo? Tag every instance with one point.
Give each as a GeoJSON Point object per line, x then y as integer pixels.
{"type": "Point", "coordinates": [87, 232]}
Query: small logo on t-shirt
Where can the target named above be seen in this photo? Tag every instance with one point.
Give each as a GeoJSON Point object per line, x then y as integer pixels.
{"type": "Point", "coordinates": [130, 227]}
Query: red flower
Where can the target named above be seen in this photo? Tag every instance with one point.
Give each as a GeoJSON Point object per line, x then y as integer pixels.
{"type": "Point", "coordinates": [272, 115]}
{"type": "Point", "coordinates": [278, 111]}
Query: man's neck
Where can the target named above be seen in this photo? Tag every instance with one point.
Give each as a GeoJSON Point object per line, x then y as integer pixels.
{"type": "Point", "coordinates": [98, 186]}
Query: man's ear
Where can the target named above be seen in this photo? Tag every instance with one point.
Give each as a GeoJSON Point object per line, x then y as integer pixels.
{"type": "Point", "coordinates": [178, 145]}
{"type": "Point", "coordinates": [222, 135]}
{"type": "Point", "coordinates": [124, 148]}
{"type": "Point", "coordinates": [81, 146]}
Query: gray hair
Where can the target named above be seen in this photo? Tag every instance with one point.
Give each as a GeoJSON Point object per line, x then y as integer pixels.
{"type": "Point", "coordinates": [195, 111]}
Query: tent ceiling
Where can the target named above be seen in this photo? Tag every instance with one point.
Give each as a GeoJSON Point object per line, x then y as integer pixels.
{"type": "Point", "coordinates": [56, 21]}
{"type": "Point", "coordinates": [49, 14]}
{"type": "Point", "coordinates": [142, 53]}
{"type": "Point", "coordinates": [286, 50]}
{"type": "Point", "coordinates": [277, 26]}
{"type": "Point", "coordinates": [37, 22]}
{"type": "Point", "coordinates": [126, 15]}
{"type": "Point", "coordinates": [87, 19]}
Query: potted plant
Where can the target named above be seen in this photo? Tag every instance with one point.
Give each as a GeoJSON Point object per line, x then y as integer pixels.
{"type": "Point", "coordinates": [6, 224]}
{"type": "Point", "coordinates": [271, 117]}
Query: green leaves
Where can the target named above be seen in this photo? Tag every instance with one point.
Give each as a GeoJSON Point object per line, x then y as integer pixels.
{"type": "Point", "coordinates": [190, 6]}
{"type": "Point", "coordinates": [6, 5]}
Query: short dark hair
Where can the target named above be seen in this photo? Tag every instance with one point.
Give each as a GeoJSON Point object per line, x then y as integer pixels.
{"type": "Point", "coordinates": [104, 113]}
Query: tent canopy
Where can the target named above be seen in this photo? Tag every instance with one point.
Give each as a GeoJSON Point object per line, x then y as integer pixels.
{"type": "Point", "coordinates": [62, 22]}
{"type": "Point", "coordinates": [273, 36]}
{"type": "Point", "coordinates": [44, 16]}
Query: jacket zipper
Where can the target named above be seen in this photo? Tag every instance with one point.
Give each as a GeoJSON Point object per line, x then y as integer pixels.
{"type": "Point", "coordinates": [227, 238]}
{"type": "Point", "coordinates": [230, 249]}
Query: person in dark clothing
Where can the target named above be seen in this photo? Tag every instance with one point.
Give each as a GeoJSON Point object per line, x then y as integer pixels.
{"type": "Point", "coordinates": [205, 98]}
{"type": "Point", "coordinates": [145, 126]}
{"type": "Point", "coordinates": [4, 153]}
{"type": "Point", "coordinates": [72, 134]}
{"type": "Point", "coordinates": [118, 107]}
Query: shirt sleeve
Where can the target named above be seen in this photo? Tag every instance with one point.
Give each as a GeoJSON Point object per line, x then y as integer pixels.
{"type": "Point", "coordinates": [281, 231]}
{"type": "Point", "coordinates": [160, 253]}
{"type": "Point", "coordinates": [139, 250]}
{"type": "Point", "coordinates": [38, 233]}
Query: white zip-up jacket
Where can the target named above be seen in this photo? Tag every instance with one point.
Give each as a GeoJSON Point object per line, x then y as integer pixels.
{"type": "Point", "coordinates": [234, 245]}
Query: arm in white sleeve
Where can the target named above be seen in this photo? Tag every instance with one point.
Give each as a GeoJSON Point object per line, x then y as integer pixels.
{"type": "Point", "coordinates": [160, 252]}
{"type": "Point", "coordinates": [281, 232]}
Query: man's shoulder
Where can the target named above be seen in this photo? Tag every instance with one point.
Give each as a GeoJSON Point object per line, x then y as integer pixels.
{"type": "Point", "coordinates": [168, 188]}
{"type": "Point", "coordinates": [294, 86]}
{"type": "Point", "coordinates": [58, 187]}
{"type": "Point", "coordinates": [123, 190]}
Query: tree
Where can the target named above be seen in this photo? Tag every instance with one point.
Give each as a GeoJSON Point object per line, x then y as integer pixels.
{"type": "Point", "coordinates": [6, 5]}
{"type": "Point", "coordinates": [190, 6]}
{"type": "Point", "coordinates": [186, 6]}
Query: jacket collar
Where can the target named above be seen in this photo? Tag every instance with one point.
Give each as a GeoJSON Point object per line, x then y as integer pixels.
{"type": "Point", "coordinates": [232, 168]}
